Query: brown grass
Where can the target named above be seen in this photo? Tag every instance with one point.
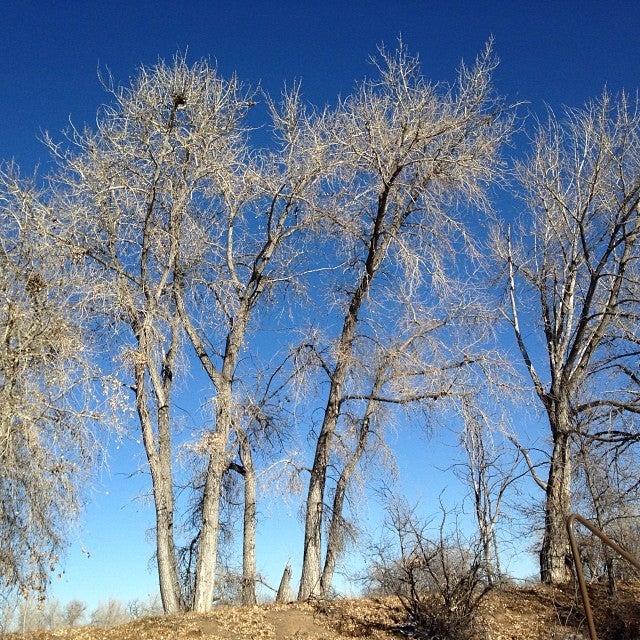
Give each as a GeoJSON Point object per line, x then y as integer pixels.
{"type": "Point", "coordinates": [510, 613]}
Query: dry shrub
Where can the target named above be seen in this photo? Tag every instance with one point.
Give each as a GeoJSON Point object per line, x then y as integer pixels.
{"type": "Point", "coordinates": [439, 579]}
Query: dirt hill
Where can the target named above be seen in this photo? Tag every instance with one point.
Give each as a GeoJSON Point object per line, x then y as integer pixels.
{"type": "Point", "coordinates": [513, 613]}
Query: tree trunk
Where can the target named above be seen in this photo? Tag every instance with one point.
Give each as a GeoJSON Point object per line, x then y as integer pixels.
{"type": "Point", "coordinates": [311, 562]}
{"type": "Point", "coordinates": [208, 546]}
{"type": "Point", "coordinates": [312, 558]}
{"type": "Point", "coordinates": [159, 459]}
{"type": "Point", "coordinates": [285, 594]}
{"type": "Point", "coordinates": [555, 555]}
{"type": "Point", "coordinates": [249, 525]}
{"type": "Point", "coordinates": [335, 539]}
{"type": "Point", "coordinates": [170, 593]}
{"type": "Point", "coordinates": [218, 464]}
{"type": "Point", "coordinates": [336, 535]}
{"type": "Point", "coordinates": [166, 557]}
{"type": "Point", "coordinates": [310, 580]}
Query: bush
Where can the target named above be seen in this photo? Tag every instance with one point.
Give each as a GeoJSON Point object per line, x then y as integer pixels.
{"type": "Point", "coordinates": [439, 579]}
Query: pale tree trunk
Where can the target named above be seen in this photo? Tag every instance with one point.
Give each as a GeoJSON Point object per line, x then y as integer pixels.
{"type": "Point", "coordinates": [166, 552]}
{"type": "Point", "coordinates": [337, 533]}
{"type": "Point", "coordinates": [206, 565]}
{"type": "Point", "coordinates": [246, 294]}
{"type": "Point", "coordinates": [249, 525]}
{"type": "Point", "coordinates": [311, 562]}
{"type": "Point", "coordinates": [489, 480]}
{"type": "Point", "coordinates": [158, 452]}
{"type": "Point", "coordinates": [285, 594]}
{"type": "Point", "coordinates": [161, 377]}
{"type": "Point", "coordinates": [489, 543]}
{"type": "Point", "coordinates": [487, 535]}
{"type": "Point", "coordinates": [216, 444]}
{"type": "Point", "coordinates": [555, 550]}
{"type": "Point", "coordinates": [218, 459]}
{"type": "Point", "coordinates": [312, 558]}
{"type": "Point", "coordinates": [247, 471]}
{"type": "Point", "coordinates": [310, 580]}
{"type": "Point", "coordinates": [164, 505]}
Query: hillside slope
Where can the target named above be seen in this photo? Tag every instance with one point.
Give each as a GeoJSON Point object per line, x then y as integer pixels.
{"type": "Point", "coordinates": [511, 613]}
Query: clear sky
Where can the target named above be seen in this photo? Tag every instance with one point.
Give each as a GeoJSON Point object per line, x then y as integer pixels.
{"type": "Point", "coordinates": [50, 52]}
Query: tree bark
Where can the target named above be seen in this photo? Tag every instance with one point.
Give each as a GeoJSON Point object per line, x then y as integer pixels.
{"type": "Point", "coordinates": [311, 562]}
{"type": "Point", "coordinates": [249, 525]}
{"type": "Point", "coordinates": [208, 546]}
{"type": "Point", "coordinates": [555, 554]}
{"type": "Point", "coordinates": [158, 453]}
{"type": "Point", "coordinates": [218, 463]}
{"type": "Point", "coordinates": [166, 555]}
{"type": "Point", "coordinates": [336, 535]}
{"type": "Point", "coordinates": [312, 558]}
{"type": "Point", "coordinates": [380, 239]}
{"type": "Point", "coordinates": [310, 579]}
{"type": "Point", "coordinates": [284, 594]}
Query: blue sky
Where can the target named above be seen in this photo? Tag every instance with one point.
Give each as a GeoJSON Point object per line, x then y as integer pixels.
{"type": "Point", "coordinates": [50, 53]}
{"type": "Point", "coordinates": [555, 52]}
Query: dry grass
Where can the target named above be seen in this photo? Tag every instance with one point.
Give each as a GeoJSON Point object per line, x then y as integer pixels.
{"type": "Point", "coordinates": [511, 613]}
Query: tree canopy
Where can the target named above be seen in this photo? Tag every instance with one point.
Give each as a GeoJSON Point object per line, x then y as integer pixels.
{"type": "Point", "coordinates": [340, 280]}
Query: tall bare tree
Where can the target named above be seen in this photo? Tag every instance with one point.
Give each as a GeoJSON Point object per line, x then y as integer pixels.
{"type": "Point", "coordinates": [417, 366]}
{"type": "Point", "coordinates": [405, 154]}
{"type": "Point", "coordinates": [189, 233]}
{"type": "Point", "coordinates": [48, 402]}
{"type": "Point", "coordinates": [254, 245]}
{"type": "Point", "coordinates": [573, 289]}
{"type": "Point", "coordinates": [489, 470]}
{"type": "Point", "coordinates": [192, 232]}
{"type": "Point", "coordinates": [137, 189]}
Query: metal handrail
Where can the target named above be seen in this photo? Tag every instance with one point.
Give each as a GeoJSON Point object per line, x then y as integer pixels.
{"type": "Point", "coordinates": [574, 517]}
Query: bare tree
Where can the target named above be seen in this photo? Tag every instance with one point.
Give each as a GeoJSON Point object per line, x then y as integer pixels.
{"type": "Point", "coordinates": [38, 614]}
{"type": "Point", "coordinates": [138, 609]}
{"type": "Point", "coordinates": [187, 232]}
{"type": "Point", "coordinates": [490, 469]}
{"type": "Point", "coordinates": [74, 612]}
{"type": "Point", "coordinates": [573, 289]}
{"type": "Point", "coordinates": [415, 367]}
{"type": "Point", "coordinates": [48, 400]}
{"type": "Point", "coordinates": [404, 153]}
{"type": "Point", "coordinates": [260, 429]}
{"type": "Point", "coordinates": [259, 436]}
{"type": "Point", "coordinates": [109, 614]}
{"type": "Point", "coordinates": [246, 469]}
{"type": "Point", "coordinates": [260, 224]}
{"type": "Point", "coordinates": [138, 189]}
{"type": "Point", "coordinates": [190, 232]}
{"type": "Point", "coordinates": [249, 569]}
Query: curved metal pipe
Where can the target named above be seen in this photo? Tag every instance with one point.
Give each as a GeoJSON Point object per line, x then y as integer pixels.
{"type": "Point", "coordinates": [574, 517]}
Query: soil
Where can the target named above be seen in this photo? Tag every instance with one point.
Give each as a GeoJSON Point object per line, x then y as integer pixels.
{"type": "Point", "coordinates": [508, 613]}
